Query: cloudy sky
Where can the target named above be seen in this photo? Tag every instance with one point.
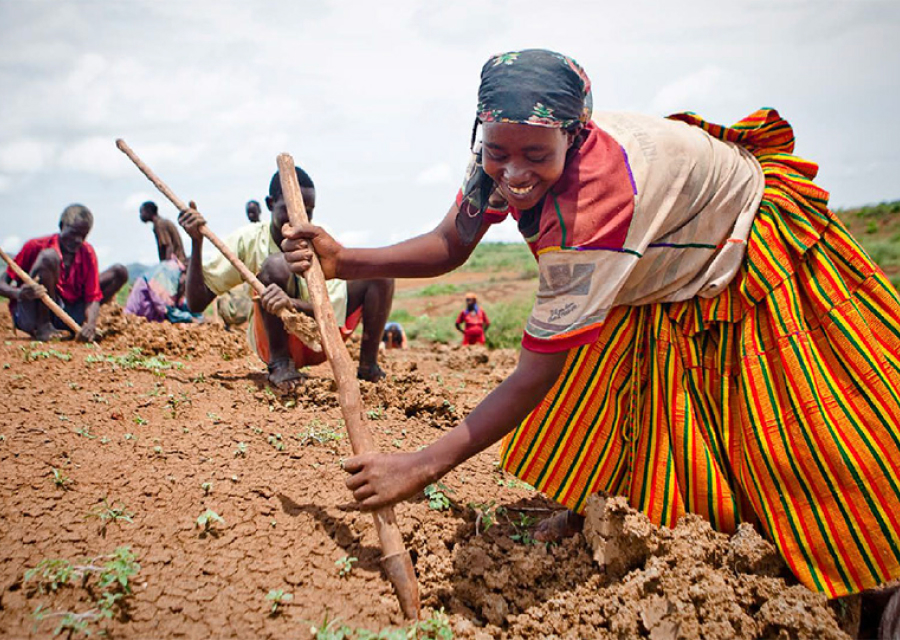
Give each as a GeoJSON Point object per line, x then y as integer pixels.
{"type": "Point", "coordinates": [376, 98]}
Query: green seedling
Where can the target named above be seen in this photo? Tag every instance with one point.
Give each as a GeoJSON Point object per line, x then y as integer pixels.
{"type": "Point", "coordinates": [138, 420]}
{"type": "Point", "coordinates": [60, 480]}
{"type": "Point", "coordinates": [110, 513]}
{"type": "Point", "coordinates": [135, 359]}
{"type": "Point", "coordinates": [98, 398]}
{"type": "Point", "coordinates": [345, 565]}
{"type": "Point", "coordinates": [104, 440]}
{"type": "Point", "coordinates": [318, 433]}
{"type": "Point", "coordinates": [86, 432]}
{"type": "Point", "coordinates": [212, 416]}
{"type": "Point", "coordinates": [276, 441]}
{"type": "Point", "coordinates": [437, 496]}
{"type": "Point", "coordinates": [33, 354]}
{"type": "Point", "coordinates": [241, 451]}
{"type": "Point", "coordinates": [375, 414]}
{"type": "Point", "coordinates": [130, 436]}
{"type": "Point", "coordinates": [486, 515]}
{"type": "Point", "coordinates": [2, 438]}
{"type": "Point", "coordinates": [278, 597]}
{"type": "Point", "coordinates": [207, 488]}
{"type": "Point", "coordinates": [175, 402]}
{"type": "Point", "coordinates": [108, 584]}
{"type": "Point", "coordinates": [63, 417]}
{"type": "Point", "coordinates": [208, 519]}
{"type": "Point", "coordinates": [522, 528]}
{"type": "Point", "coordinates": [158, 450]}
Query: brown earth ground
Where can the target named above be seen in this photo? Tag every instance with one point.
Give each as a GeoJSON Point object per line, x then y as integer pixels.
{"type": "Point", "coordinates": [148, 442]}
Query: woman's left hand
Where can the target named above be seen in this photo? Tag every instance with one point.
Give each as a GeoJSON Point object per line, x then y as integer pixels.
{"type": "Point", "coordinates": [382, 479]}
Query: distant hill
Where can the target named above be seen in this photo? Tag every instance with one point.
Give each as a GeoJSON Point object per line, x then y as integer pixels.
{"type": "Point", "coordinates": [877, 228]}
{"type": "Point", "coordinates": [136, 270]}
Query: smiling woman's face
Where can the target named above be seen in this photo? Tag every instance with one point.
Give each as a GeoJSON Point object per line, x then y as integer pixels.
{"type": "Point", "coordinates": [524, 160]}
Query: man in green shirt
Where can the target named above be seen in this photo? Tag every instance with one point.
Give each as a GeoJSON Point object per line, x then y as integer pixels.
{"type": "Point", "coordinates": [258, 245]}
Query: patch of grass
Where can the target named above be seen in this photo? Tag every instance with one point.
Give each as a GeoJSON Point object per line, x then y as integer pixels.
{"type": "Point", "coordinates": [437, 627]}
{"type": "Point", "coordinates": [33, 353]}
{"type": "Point", "coordinates": [507, 323]}
{"type": "Point", "coordinates": [318, 433]}
{"type": "Point", "coordinates": [60, 480]}
{"type": "Point", "coordinates": [107, 584]}
{"type": "Point", "coordinates": [500, 256]}
{"type": "Point", "coordinates": [135, 359]}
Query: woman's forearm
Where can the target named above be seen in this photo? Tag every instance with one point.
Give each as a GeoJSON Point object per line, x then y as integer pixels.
{"type": "Point", "coordinates": [428, 255]}
{"type": "Point", "coordinates": [498, 414]}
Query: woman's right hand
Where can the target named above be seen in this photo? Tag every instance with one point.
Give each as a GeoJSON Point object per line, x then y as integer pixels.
{"type": "Point", "coordinates": [299, 244]}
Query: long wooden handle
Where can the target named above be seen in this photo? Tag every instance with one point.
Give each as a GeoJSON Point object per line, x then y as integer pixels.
{"type": "Point", "coordinates": [396, 559]}
{"type": "Point", "coordinates": [45, 298]}
{"type": "Point", "coordinates": [292, 321]}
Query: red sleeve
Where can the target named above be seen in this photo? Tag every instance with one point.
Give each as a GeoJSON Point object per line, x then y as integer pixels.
{"type": "Point", "coordinates": [25, 259]}
{"type": "Point", "coordinates": [90, 274]}
{"type": "Point", "coordinates": [537, 345]}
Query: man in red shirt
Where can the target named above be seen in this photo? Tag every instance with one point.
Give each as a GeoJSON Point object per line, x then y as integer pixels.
{"type": "Point", "coordinates": [65, 265]}
{"type": "Point", "coordinates": [475, 320]}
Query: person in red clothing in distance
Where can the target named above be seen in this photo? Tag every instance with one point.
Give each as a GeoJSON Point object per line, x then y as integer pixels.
{"type": "Point", "coordinates": [64, 265]}
{"type": "Point", "coordinates": [474, 319]}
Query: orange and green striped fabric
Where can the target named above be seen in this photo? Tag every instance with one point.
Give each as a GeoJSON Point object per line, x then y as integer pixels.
{"type": "Point", "coordinates": [776, 402]}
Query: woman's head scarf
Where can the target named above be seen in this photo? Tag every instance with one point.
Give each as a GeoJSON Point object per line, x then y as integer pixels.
{"type": "Point", "coordinates": [535, 87]}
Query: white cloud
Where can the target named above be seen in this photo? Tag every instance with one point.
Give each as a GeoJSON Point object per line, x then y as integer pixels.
{"type": "Point", "coordinates": [708, 87]}
{"type": "Point", "coordinates": [354, 237]}
{"type": "Point", "coordinates": [25, 155]}
{"type": "Point", "coordinates": [97, 155]}
{"type": "Point", "coordinates": [5, 183]}
{"type": "Point", "coordinates": [11, 244]}
{"type": "Point", "coordinates": [437, 174]}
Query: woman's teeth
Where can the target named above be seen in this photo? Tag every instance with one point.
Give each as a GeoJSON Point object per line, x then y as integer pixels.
{"type": "Point", "coordinates": [521, 191]}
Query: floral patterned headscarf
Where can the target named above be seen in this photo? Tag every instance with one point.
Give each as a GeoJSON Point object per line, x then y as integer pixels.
{"type": "Point", "coordinates": [533, 86]}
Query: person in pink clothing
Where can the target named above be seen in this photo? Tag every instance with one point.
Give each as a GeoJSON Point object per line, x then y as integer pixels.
{"type": "Point", "coordinates": [472, 321]}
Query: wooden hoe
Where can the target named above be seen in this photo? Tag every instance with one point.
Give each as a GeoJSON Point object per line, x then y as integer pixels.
{"type": "Point", "coordinates": [46, 299]}
{"type": "Point", "coordinates": [396, 560]}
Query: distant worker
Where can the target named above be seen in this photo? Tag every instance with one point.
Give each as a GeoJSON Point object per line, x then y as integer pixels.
{"type": "Point", "coordinates": [253, 211]}
{"type": "Point", "coordinates": [168, 242]}
{"type": "Point", "coordinates": [394, 336]}
{"type": "Point", "coordinates": [64, 265]}
{"type": "Point", "coordinates": [258, 246]}
{"type": "Point", "coordinates": [475, 320]}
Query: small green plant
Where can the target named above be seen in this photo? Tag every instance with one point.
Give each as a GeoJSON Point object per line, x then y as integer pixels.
{"type": "Point", "coordinates": [31, 354]}
{"type": "Point", "coordinates": [107, 513]}
{"type": "Point", "coordinates": [138, 420]}
{"type": "Point", "coordinates": [522, 528]}
{"type": "Point", "coordinates": [85, 432]}
{"type": "Point", "coordinates": [214, 417]}
{"type": "Point", "coordinates": [130, 436]}
{"type": "Point", "coordinates": [241, 451]}
{"type": "Point", "coordinates": [318, 433]}
{"type": "Point", "coordinates": [375, 414]}
{"type": "Point", "coordinates": [135, 359]}
{"type": "Point", "coordinates": [207, 487]}
{"type": "Point", "coordinates": [345, 565]}
{"type": "Point", "coordinates": [108, 584]}
{"type": "Point", "coordinates": [437, 496]}
{"type": "Point", "coordinates": [158, 450]}
{"type": "Point", "coordinates": [276, 441]}
{"type": "Point", "coordinates": [208, 519]}
{"type": "Point", "coordinates": [174, 403]}
{"type": "Point", "coordinates": [278, 597]}
{"type": "Point", "coordinates": [60, 480]}
{"type": "Point", "coordinates": [486, 515]}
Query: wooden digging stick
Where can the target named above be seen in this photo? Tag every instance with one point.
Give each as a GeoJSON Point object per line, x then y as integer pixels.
{"type": "Point", "coordinates": [396, 560]}
{"type": "Point", "coordinates": [294, 322]}
{"type": "Point", "coordinates": [46, 299]}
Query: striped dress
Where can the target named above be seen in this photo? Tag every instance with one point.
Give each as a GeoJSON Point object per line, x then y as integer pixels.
{"type": "Point", "coordinates": [775, 402]}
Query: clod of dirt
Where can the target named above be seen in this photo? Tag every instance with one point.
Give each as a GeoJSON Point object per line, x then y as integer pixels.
{"type": "Point", "coordinates": [126, 331]}
{"type": "Point", "coordinates": [645, 581]}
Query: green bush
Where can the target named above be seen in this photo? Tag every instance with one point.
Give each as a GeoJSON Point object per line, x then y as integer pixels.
{"type": "Point", "coordinates": [507, 323]}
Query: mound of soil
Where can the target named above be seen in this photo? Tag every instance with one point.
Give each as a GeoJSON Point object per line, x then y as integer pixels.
{"type": "Point", "coordinates": [97, 455]}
